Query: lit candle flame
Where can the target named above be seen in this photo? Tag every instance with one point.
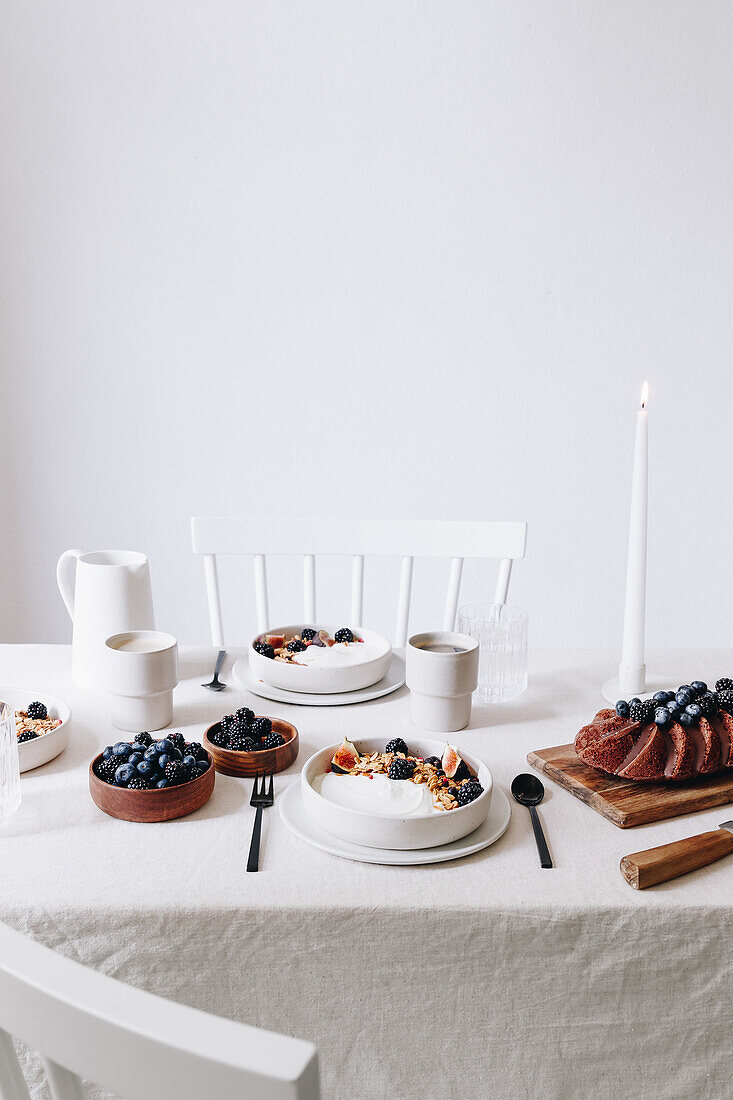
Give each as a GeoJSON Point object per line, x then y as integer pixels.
{"type": "Point", "coordinates": [644, 394]}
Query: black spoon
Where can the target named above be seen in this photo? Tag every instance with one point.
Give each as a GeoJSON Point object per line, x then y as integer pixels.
{"type": "Point", "coordinates": [216, 684]}
{"type": "Point", "coordinates": [528, 790]}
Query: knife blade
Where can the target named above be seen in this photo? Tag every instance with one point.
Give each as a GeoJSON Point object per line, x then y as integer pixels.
{"type": "Point", "coordinates": [647, 868]}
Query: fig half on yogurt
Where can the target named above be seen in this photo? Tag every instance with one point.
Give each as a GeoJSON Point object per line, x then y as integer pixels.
{"type": "Point", "coordinates": [345, 757]}
{"type": "Point", "coordinates": [452, 764]}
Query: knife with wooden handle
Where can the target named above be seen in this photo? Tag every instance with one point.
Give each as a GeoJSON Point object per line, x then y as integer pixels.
{"type": "Point", "coordinates": [642, 869]}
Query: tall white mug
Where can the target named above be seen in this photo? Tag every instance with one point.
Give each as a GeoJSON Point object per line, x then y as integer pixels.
{"type": "Point", "coordinates": [105, 592]}
{"type": "Point", "coordinates": [441, 670]}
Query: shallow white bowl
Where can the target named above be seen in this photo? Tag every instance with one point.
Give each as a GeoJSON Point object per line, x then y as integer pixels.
{"type": "Point", "coordinates": [39, 751]}
{"type": "Point", "coordinates": [393, 830]}
{"type": "Point", "coordinates": [318, 681]}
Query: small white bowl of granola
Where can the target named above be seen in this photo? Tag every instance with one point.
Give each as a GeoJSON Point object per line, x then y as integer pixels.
{"type": "Point", "coordinates": [315, 660]}
{"type": "Point", "coordinates": [366, 794]}
{"type": "Point", "coordinates": [43, 729]}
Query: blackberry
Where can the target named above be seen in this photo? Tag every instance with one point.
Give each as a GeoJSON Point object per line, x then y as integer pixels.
{"type": "Point", "coordinates": [468, 792]}
{"type": "Point", "coordinates": [196, 750]}
{"type": "Point", "coordinates": [401, 769]}
{"type": "Point", "coordinates": [178, 740]}
{"type": "Point", "coordinates": [237, 742]}
{"type": "Point", "coordinates": [220, 738]}
{"type": "Point", "coordinates": [273, 741]}
{"type": "Point", "coordinates": [725, 699]}
{"type": "Point", "coordinates": [265, 649]}
{"type": "Point", "coordinates": [397, 745]}
{"type": "Point", "coordinates": [260, 728]}
{"type": "Point", "coordinates": [245, 716]}
{"type": "Point", "coordinates": [307, 633]}
{"type": "Point", "coordinates": [26, 735]}
{"type": "Point", "coordinates": [143, 739]}
{"type": "Point", "coordinates": [106, 769]}
{"type": "Point", "coordinates": [295, 646]}
{"type": "Point", "coordinates": [641, 712]}
{"type": "Point", "coordinates": [37, 710]}
{"type": "Point", "coordinates": [343, 635]}
{"type": "Point", "coordinates": [176, 772]}
{"type": "Point", "coordinates": [705, 703]}
{"type": "Point", "coordinates": [228, 723]}
{"type": "Point", "coordinates": [250, 745]}
{"type": "Point", "coordinates": [435, 761]}
{"type": "Point", "coordinates": [723, 684]}
{"type": "Point", "coordinates": [138, 784]}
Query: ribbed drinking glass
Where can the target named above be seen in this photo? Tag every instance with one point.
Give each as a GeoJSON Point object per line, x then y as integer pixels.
{"type": "Point", "coordinates": [501, 632]}
{"type": "Point", "coordinates": [9, 765]}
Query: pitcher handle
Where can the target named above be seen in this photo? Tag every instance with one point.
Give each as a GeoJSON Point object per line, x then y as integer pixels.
{"type": "Point", "coordinates": [65, 575]}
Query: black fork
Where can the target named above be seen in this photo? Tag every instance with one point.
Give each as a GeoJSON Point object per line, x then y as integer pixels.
{"type": "Point", "coordinates": [261, 799]}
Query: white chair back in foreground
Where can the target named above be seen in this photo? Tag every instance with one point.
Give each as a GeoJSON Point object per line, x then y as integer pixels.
{"type": "Point", "coordinates": [88, 1026]}
{"type": "Point", "coordinates": [406, 539]}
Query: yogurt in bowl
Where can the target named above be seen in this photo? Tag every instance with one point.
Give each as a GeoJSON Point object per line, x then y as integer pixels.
{"type": "Point", "coordinates": [321, 669]}
{"type": "Point", "coordinates": [385, 813]}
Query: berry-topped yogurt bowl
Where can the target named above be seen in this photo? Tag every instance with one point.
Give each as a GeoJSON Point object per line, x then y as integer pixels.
{"type": "Point", "coordinates": [396, 795]}
{"type": "Point", "coordinates": [315, 660]}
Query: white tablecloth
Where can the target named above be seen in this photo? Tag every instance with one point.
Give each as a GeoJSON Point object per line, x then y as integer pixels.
{"type": "Point", "coordinates": [487, 977]}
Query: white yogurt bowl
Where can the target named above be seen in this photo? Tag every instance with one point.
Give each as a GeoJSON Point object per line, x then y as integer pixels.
{"type": "Point", "coordinates": [40, 750]}
{"type": "Point", "coordinates": [394, 830]}
{"type": "Point", "coordinates": [359, 670]}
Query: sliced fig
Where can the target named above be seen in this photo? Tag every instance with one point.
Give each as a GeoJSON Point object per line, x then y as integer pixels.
{"type": "Point", "coordinates": [277, 641]}
{"type": "Point", "coordinates": [453, 766]}
{"type": "Point", "coordinates": [325, 638]}
{"type": "Point", "coordinates": [345, 757]}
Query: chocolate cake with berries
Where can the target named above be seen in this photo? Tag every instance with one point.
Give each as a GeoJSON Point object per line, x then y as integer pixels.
{"type": "Point", "coordinates": [674, 736]}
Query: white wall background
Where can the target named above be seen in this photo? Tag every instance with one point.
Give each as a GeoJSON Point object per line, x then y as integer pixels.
{"type": "Point", "coordinates": [368, 258]}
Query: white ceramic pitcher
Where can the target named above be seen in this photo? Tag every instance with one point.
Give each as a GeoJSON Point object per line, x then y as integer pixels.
{"type": "Point", "coordinates": [105, 592]}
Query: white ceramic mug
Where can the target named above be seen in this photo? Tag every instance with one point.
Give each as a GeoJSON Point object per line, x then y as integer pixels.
{"type": "Point", "coordinates": [441, 672]}
{"type": "Point", "coordinates": [143, 670]}
{"type": "Point", "coordinates": [105, 592]}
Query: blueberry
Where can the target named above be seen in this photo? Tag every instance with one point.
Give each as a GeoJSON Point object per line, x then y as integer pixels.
{"type": "Point", "coordinates": [694, 710]}
{"type": "Point", "coordinates": [189, 761]}
{"type": "Point", "coordinates": [165, 746]}
{"type": "Point", "coordinates": [134, 758]}
{"type": "Point", "coordinates": [202, 767]}
{"type": "Point", "coordinates": [685, 719]}
{"type": "Point", "coordinates": [151, 753]}
{"type": "Point", "coordinates": [622, 708]}
{"type": "Point", "coordinates": [674, 708]}
{"type": "Point", "coordinates": [109, 751]}
{"type": "Point", "coordinates": [122, 748]}
{"type": "Point", "coordinates": [124, 774]}
{"type": "Point", "coordinates": [147, 769]}
{"type": "Point", "coordinates": [636, 699]}
{"type": "Point", "coordinates": [161, 783]}
{"type": "Point", "coordinates": [164, 759]}
{"type": "Point", "coordinates": [683, 698]}
{"type": "Point", "coordinates": [699, 687]}
{"type": "Point", "coordinates": [660, 697]}
{"type": "Point", "coordinates": [661, 716]}
{"type": "Point", "coordinates": [685, 687]}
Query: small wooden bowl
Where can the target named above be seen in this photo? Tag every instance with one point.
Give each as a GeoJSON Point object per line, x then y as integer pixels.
{"type": "Point", "coordinates": [153, 805]}
{"type": "Point", "coordinates": [263, 762]}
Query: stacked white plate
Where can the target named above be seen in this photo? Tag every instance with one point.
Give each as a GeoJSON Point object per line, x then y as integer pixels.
{"type": "Point", "coordinates": [393, 838]}
{"type": "Point", "coordinates": [337, 676]}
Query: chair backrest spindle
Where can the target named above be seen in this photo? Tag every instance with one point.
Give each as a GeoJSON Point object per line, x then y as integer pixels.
{"type": "Point", "coordinates": [454, 591]}
{"type": "Point", "coordinates": [263, 608]}
{"type": "Point", "coordinates": [309, 588]}
{"type": "Point", "coordinates": [63, 1084]}
{"type": "Point", "coordinates": [357, 590]}
{"type": "Point", "coordinates": [403, 601]}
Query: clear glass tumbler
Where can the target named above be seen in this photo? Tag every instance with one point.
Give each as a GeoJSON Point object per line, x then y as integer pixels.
{"type": "Point", "coordinates": [501, 632]}
{"type": "Point", "coordinates": [9, 763]}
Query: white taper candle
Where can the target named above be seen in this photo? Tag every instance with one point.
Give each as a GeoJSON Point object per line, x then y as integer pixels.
{"type": "Point", "coordinates": [632, 669]}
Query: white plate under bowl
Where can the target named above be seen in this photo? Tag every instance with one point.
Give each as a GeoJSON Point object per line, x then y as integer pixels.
{"type": "Point", "coordinates": [41, 749]}
{"type": "Point", "coordinates": [393, 680]}
{"type": "Point", "coordinates": [296, 818]}
{"type": "Point", "coordinates": [330, 681]}
{"type": "Point", "coordinates": [374, 830]}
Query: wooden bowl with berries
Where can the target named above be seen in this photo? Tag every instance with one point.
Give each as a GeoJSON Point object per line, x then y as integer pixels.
{"type": "Point", "coordinates": [247, 744]}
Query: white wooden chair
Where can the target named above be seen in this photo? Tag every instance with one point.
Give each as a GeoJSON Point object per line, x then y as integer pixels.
{"type": "Point", "coordinates": [407, 539]}
{"type": "Point", "coordinates": [86, 1025]}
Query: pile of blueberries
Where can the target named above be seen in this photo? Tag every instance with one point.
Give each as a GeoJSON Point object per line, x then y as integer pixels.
{"type": "Point", "coordinates": [687, 705]}
{"type": "Point", "coordinates": [244, 731]}
{"type": "Point", "coordinates": [146, 764]}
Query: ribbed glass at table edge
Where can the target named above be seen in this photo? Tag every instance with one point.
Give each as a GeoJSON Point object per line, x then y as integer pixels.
{"type": "Point", "coordinates": [9, 763]}
{"type": "Point", "coordinates": [501, 631]}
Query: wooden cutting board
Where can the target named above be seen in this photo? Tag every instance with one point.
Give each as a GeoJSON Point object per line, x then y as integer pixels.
{"type": "Point", "coordinates": [626, 803]}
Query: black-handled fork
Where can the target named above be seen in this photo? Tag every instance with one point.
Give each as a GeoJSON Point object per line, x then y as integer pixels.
{"type": "Point", "coordinates": [261, 799]}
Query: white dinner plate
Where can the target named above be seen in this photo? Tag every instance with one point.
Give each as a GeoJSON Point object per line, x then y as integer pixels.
{"type": "Point", "coordinates": [297, 819]}
{"type": "Point", "coordinates": [394, 679]}
{"type": "Point", "coordinates": [41, 749]}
